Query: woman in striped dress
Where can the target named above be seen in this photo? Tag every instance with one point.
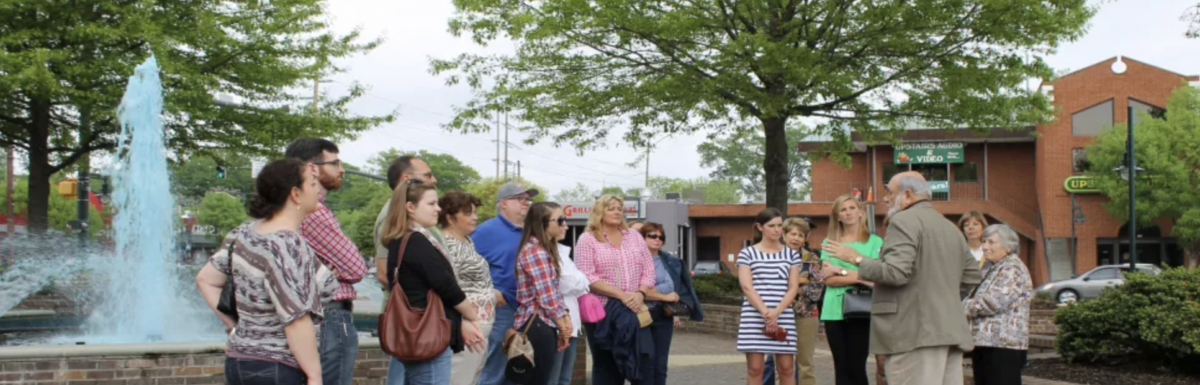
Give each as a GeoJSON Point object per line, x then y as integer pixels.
{"type": "Point", "coordinates": [769, 273]}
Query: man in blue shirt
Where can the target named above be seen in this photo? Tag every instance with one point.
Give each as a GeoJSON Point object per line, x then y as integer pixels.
{"type": "Point", "coordinates": [497, 241]}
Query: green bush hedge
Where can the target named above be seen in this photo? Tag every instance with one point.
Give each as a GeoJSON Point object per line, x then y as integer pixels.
{"type": "Point", "coordinates": [719, 289]}
{"type": "Point", "coordinates": [1149, 318]}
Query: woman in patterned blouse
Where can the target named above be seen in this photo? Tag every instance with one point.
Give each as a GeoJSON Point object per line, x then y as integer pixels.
{"type": "Point", "coordinates": [457, 220]}
{"type": "Point", "coordinates": [619, 267]}
{"type": "Point", "coordinates": [998, 310]}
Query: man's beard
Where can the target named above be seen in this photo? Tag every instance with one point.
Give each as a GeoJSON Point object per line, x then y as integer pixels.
{"type": "Point", "coordinates": [330, 182]}
{"type": "Point", "coordinates": [895, 208]}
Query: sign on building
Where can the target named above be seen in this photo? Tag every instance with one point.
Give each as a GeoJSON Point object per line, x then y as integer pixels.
{"type": "Point", "coordinates": [939, 186]}
{"type": "Point", "coordinates": [1081, 185]}
{"type": "Point", "coordinates": [256, 166]}
{"type": "Point", "coordinates": [581, 210]}
{"type": "Point", "coordinates": [929, 153]}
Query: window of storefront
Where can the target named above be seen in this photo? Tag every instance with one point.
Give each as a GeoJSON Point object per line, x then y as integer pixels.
{"type": "Point", "coordinates": [1079, 160]}
{"type": "Point", "coordinates": [1093, 121]}
{"type": "Point", "coordinates": [966, 173]}
{"type": "Point", "coordinates": [890, 169]}
{"type": "Point", "coordinates": [1154, 111]}
{"type": "Point", "coordinates": [935, 172]}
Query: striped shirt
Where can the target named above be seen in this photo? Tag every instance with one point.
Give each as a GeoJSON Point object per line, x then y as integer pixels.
{"type": "Point", "coordinates": [278, 280]}
{"type": "Point", "coordinates": [769, 272]}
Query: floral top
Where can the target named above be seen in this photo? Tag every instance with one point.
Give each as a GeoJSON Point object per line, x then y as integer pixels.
{"type": "Point", "coordinates": [473, 275]}
{"type": "Point", "coordinates": [998, 310]}
{"type": "Point", "coordinates": [810, 294]}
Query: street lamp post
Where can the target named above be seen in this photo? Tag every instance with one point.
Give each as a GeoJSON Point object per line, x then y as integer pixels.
{"type": "Point", "coordinates": [1128, 172]}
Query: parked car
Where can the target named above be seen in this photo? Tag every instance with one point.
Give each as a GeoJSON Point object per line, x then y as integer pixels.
{"type": "Point", "coordinates": [1090, 284]}
{"type": "Point", "coordinates": [710, 267]}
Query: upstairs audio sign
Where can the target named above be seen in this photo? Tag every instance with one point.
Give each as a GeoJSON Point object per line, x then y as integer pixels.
{"type": "Point", "coordinates": [929, 153]}
{"type": "Point", "coordinates": [1081, 185]}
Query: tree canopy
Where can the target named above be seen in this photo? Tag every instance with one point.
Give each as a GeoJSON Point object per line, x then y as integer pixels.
{"type": "Point", "coordinates": [222, 211]}
{"type": "Point", "coordinates": [450, 172]}
{"type": "Point", "coordinates": [737, 157]}
{"type": "Point", "coordinates": [1166, 149]}
{"type": "Point", "coordinates": [701, 189]}
{"type": "Point", "coordinates": [65, 66]}
{"type": "Point", "coordinates": [579, 193]}
{"type": "Point", "coordinates": [583, 72]}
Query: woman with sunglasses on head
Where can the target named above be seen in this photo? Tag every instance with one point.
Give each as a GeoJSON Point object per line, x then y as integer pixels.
{"type": "Point", "coordinates": [542, 315]}
{"type": "Point", "coordinates": [673, 287]}
{"type": "Point", "coordinates": [280, 287]}
{"type": "Point", "coordinates": [573, 284]}
{"type": "Point", "coordinates": [424, 266]}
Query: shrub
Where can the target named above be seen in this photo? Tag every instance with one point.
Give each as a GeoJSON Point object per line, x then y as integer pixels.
{"type": "Point", "coordinates": [720, 289]}
{"type": "Point", "coordinates": [1149, 318]}
{"type": "Point", "coordinates": [1044, 300]}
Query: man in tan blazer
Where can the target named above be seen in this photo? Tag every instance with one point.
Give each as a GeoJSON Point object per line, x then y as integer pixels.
{"type": "Point", "coordinates": [917, 319]}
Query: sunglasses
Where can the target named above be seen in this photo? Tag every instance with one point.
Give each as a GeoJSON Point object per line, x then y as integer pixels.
{"type": "Point", "coordinates": [656, 237]}
{"type": "Point", "coordinates": [562, 221]}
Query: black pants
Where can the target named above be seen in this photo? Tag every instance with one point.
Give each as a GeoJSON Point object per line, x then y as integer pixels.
{"type": "Point", "coordinates": [850, 343]}
{"type": "Point", "coordinates": [604, 367]}
{"type": "Point", "coordinates": [545, 346]}
{"type": "Point", "coordinates": [241, 371]}
{"type": "Point", "coordinates": [997, 366]}
{"type": "Point", "coordinates": [662, 330]}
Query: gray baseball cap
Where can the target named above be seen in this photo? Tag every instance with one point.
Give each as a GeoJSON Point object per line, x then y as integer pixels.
{"type": "Point", "coordinates": [510, 189]}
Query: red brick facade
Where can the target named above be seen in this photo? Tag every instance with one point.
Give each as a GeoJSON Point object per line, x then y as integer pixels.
{"type": "Point", "coordinates": [1020, 174]}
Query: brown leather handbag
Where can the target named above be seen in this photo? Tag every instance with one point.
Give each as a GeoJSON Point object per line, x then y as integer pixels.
{"type": "Point", "coordinates": [412, 335]}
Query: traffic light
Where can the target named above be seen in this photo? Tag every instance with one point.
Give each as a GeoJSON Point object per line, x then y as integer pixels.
{"type": "Point", "coordinates": [220, 172]}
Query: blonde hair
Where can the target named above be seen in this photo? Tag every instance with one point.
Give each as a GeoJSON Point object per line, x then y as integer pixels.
{"type": "Point", "coordinates": [796, 223]}
{"type": "Point", "coordinates": [595, 221]}
{"type": "Point", "coordinates": [397, 223]}
{"type": "Point", "coordinates": [835, 225]}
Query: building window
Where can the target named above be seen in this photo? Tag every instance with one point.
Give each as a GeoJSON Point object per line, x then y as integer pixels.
{"type": "Point", "coordinates": [889, 170]}
{"type": "Point", "coordinates": [1079, 161]}
{"type": "Point", "coordinates": [1093, 121]}
{"type": "Point", "coordinates": [935, 173]}
{"type": "Point", "coordinates": [966, 173]}
{"type": "Point", "coordinates": [1155, 112]}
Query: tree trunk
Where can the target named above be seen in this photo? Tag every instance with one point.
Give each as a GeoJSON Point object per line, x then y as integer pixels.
{"type": "Point", "coordinates": [775, 163]}
{"type": "Point", "coordinates": [39, 167]}
{"type": "Point", "coordinates": [1191, 254]}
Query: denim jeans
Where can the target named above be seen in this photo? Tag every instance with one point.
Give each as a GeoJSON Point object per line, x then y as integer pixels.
{"type": "Point", "coordinates": [493, 369]}
{"type": "Point", "coordinates": [241, 371]}
{"type": "Point", "coordinates": [564, 365]}
{"type": "Point", "coordinates": [662, 330]}
{"type": "Point", "coordinates": [432, 372]}
{"type": "Point", "coordinates": [339, 347]}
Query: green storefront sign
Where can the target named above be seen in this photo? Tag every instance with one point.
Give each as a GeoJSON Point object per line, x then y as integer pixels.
{"type": "Point", "coordinates": [1081, 185]}
{"type": "Point", "coordinates": [939, 186]}
{"type": "Point", "coordinates": [926, 153]}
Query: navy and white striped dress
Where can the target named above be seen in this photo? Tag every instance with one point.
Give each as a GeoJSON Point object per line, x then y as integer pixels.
{"type": "Point", "coordinates": [770, 279]}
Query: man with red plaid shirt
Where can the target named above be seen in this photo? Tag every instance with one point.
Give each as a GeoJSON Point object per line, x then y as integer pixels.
{"type": "Point", "coordinates": [338, 338]}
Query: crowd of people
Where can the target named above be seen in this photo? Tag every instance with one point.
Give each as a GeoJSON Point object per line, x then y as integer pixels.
{"type": "Point", "coordinates": [515, 301]}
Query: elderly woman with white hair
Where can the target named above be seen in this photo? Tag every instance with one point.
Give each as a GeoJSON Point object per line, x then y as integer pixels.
{"type": "Point", "coordinates": [998, 310]}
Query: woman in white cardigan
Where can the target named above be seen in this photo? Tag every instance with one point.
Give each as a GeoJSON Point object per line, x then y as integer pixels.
{"type": "Point", "coordinates": [573, 284]}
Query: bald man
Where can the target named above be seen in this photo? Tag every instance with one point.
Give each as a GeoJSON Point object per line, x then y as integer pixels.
{"type": "Point", "coordinates": [917, 320]}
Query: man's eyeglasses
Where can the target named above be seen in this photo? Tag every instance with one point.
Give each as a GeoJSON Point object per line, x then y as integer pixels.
{"type": "Point", "coordinates": [335, 162]}
{"type": "Point", "coordinates": [656, 237]}
{"type": "Point", "coordinates": [522, 199]}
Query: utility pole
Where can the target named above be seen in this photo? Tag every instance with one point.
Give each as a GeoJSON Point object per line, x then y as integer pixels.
{"type": "Point", "coordinates": [505, 144]}
{"type": "Point", "coordinates": [647, 183]}
{"type": "Point", "coordinates": [8, 191]}
{"type": "Point", "coordinates": [518, 169]}
{"type": "Point", "coordinates": [497, 144]}
{"type": "Point", "coordinates": [316, 94]}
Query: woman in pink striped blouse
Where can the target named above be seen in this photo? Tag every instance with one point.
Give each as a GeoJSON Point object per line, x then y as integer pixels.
{"type": "Point", "coordinates": [619, 267]}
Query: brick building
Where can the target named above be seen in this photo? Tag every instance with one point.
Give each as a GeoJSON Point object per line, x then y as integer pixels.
{"type": "Point", "coordinates": [1015, 176]}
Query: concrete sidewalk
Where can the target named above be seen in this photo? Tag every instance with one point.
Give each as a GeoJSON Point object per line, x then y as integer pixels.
{"type": "Point", "coordinates": [701, 359]}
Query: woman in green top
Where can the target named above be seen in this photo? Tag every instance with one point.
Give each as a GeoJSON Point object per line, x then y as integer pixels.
{"type": "Point", "coordinates": [849, 338]}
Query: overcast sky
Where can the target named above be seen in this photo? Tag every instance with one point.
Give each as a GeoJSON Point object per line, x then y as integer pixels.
{"type": "Point", "coordinates": [414, 31]}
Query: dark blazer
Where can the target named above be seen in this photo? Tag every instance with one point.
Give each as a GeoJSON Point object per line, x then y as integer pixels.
{"type": "Point", "coordinates": [683, 284]}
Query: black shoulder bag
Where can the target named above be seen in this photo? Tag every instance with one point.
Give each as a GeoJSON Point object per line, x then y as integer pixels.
{"type": "Point", "coordinates": [227, 304]}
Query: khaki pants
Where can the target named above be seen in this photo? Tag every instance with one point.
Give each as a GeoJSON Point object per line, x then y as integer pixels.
{"type": "Point", "coordinates": [466, 366]}
{"type": "Point", "coordinates": [926, 366]}
{"type": "Point", "coordinates": [806, 340]}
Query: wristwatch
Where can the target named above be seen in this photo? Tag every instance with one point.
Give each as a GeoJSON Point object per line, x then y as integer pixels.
{"type": "Point", "coordinates": [843, 273]}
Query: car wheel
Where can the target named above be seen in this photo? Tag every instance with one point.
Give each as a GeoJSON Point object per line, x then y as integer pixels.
{"type": "Point", "coordinates": [1067, 296]}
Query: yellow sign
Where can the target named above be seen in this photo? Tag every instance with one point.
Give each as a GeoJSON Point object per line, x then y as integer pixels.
{"type": "Point", "coordinates": [1081, 185]}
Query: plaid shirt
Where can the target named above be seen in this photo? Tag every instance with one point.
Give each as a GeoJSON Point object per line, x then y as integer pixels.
{"type": "Point", "coordinates": [323, 233]}
{"type": "Point", "coordinates": [537, 286]}
{"type": "Point", "coordinates": [628, 269]}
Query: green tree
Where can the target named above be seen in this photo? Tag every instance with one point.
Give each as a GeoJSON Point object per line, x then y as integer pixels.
{"type": "Point", "coordinates": [737, 157]}
{"type": "Point", "coordinates": [195, 178]}
{"type": "Point", "coordinates": [582, 68]}
{"type": "Point", "coordinates": [711, 191]}
{"type": "Point", "coordinates": [222, 211]}
{"type": "Point", "coordinates": [65, 66]}
{"type": "Point", "coordinates": [487, 188]}
{"type": "Point", "coordinates": [356, 192]}
{"type": "Point", "coordinates": [579, 193]}
{"type": "Point", "coordinates": [613, 190]}
{"type": "Point", "coordinates": [450, 172]}
{"type": "Point", "coordinates": [61, 209]}
{"type": "Point", "coordinates": [1166, 149]}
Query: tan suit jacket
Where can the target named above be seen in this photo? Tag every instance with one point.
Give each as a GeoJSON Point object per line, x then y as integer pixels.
{"type": "Point", "coordinates": [924, 267]}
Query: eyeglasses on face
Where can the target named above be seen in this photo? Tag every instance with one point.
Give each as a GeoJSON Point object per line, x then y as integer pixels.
{"type": "Point", "coordinates": [521, 199]}
{"type": "Point", "coordinates": [658, 237]}
{"type": "Point", "coordinates": [335, 162]}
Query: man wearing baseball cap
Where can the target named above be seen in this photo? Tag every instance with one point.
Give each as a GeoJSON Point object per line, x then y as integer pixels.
{"type": "Point", "coordinates": [497, 240]}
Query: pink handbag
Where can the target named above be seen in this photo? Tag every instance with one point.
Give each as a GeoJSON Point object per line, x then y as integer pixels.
{"type": "Point", "coordinates": [590, 309]}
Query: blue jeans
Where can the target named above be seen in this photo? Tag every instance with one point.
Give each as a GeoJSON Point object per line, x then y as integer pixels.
{"type": "Point", "coordinates": [241, 371]}
{"type": "Point", "coordinates": [432, 372]}
{"type": "Point", "coordinates": [769, 371]}
{"type": "Point", "coordinates": [564, 365]}
{"type": "Point", "coordinates": [662, 330]}
{"type": "Point", "coordinates": [339, 347]}
{"type": "Point", "coordinates": [493, 369]}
